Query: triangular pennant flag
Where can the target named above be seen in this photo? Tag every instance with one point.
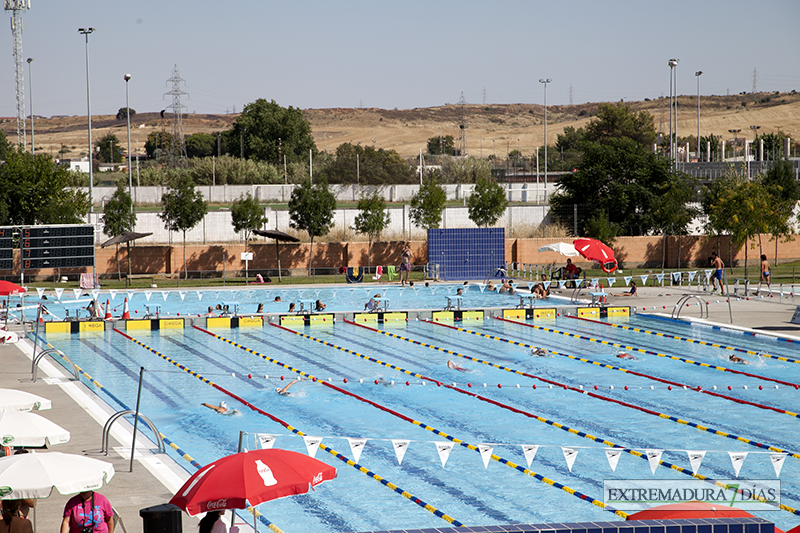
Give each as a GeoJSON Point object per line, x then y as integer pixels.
{"type": "Point", "coordinates": [216, 295]}
{"type": "Point", "coordinates": [113, 293]}
{"type": "Point", "coordinates": [266, 441]}
{"type": "Point", "coordinates": [529, 450]}
{"type": "Point", "coordinates": [443, 449]}
{"type": "Point", "coordinates": [708, 274]}
{"type": "Point", "coordinates": [644, 277]}
{"type": "Point", "coordinates": [613, 458]}
{"type": "Point", "coordinates": [356, 447]}
{"type": "Point", "coordinates": [737, 460]}
{"type": "Point", "coordinates": [95, 293]}
{"type": "Point", "coordinates": [546, 284]}
{"type": "Point", "coordinates": [40, 291]}
{"type": "Point", "coordinates": [59, 292]}
{"type": "Point", "coordinates": [570, 454]}
{"type": "Point", "coordinates": [562, 283]}
{"type": "Point", "coordinates": [130, 295]}
{"type": "Point", "coordinates": [148, 294]}
{"type": "Point", "coordinates": [199, 295]}
{"type": "Point", "coordinates": [594, 282]}
{"type": "Point", "coordinates": [777, 462]}
{"type": "Point", "coordinates": [653, 457]}
{"type": "Point", "coordinates": [530, 285]}
{"type": "Point", "coordinates": [165, 294]}
{"type": "Point", "coordinates": [660, 278]}
{"type": "Point", "coordinates": [400, 446]}
{"type": "Point", "coordinates": [183, 295]}
{"type": "Point", "coordinates": [695, 459]}
{"type": "Point", "coordinates": [77, 293]}
{"type": "Point", "coordinates": [486, 453]}
{"type": "Point", "coordinates": [627, 279]}
{"type": "Point", "coordinates": [312, 444]}
{"type": "Point", "coordinates": [692, 274]}
{"type": "Point", "coordinates": [611, 281]}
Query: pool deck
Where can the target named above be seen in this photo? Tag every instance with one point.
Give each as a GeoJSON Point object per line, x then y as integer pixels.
{"type": "Point", "coordinates": [156, 477]}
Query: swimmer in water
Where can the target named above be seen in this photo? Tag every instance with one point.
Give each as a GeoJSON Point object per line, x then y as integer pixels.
{"type": "Point", "coordinates": [222, 408]}
{"type": "Point", "coordinates": [284, 391]}
{"type": "Point", "coordinates": [625, 355]}
{"type": "Point", "coordinates": [540, 352]}
{"type": "Point", "coordinates": [736, 359]}
{"type": "Point", "coordinates": [454, 366]}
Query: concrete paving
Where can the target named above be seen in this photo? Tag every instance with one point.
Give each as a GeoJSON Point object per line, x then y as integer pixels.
{"type": "Point", "coordinates": [156, 477]}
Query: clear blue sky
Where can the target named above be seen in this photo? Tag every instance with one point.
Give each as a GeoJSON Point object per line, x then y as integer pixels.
{"type": "Point", "coordinates": [402, 54]}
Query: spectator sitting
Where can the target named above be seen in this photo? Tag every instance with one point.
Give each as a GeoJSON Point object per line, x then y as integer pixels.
{"type": "Point", "coordinates": [259, 278]}
{"type": "Point", "coordinates": [631, 292]}
{"type": "Point", "coordinates": [570, 271]}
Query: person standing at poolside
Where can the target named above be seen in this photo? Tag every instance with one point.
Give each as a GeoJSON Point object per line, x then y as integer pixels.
{"type": "Point", "coordinates": [716, 276]}
{"type": "Point", "coordinates": [405, 264]}
{"type": "Point", "coordinates": [764, 274]}
{"type": "Point", "coordinates": [11, 521]}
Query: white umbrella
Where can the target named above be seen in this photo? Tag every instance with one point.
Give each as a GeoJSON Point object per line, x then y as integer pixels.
{"type": "Point", "coordinates": [18, 428]}
{"type": "Point", "coordinates": [17, 400]}
{"type": "Point", "coordinates": [564, 248]}
{"type": "Point", "coordinates": [35, 475]}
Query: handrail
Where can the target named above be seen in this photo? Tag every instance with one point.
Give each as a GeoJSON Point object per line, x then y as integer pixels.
{"type": "Point", "coordinates": [124, 412]}
{"type": "Point", "coordinates": [676, 312]}
{"type": "Point", "coordinates": [41, 355]}
{"type": "Point", "coordinates": [498, 270]}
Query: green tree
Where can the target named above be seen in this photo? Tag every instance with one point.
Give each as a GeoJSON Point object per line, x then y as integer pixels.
{"type": "Point", "coordinates": [372, 219]}
{"type": "Point", "coordinates": [267, 131]}
{"type": "Point", "coordinates": [122, 114]}
{"type": "Point", "coordinates": [783, 195]}
{"type": "Point", "coordinates": [427, 205]}
{"type": "Point", "coordinates": [158, 142]}
{"type": "Point", "coordinates": [464, 170]}
{"type": "Point", "coordinates": [311, 209]}
{"type": "Point", "coordinates": [119, 217]}
{"type": "Point", "coordinates": [200, 145]}
{"type": "Point", "coordinates": [704, 140]}
{"type": "Point", "coordinates": [36, 190]}
{"type": "Point", "coordinates": [110, 150]}
{"type": "Point", "coordinates": [366, 166]}
{"type": "Point", "coordinates": [487, 203]}
{"type": "Point", "coordinates": [620, 178]}
{"type": "Point", "coordinates": [618, 121]}
{"type": "Point", "coordinates": [773, 144]}
{"type": "Point", "coordinates": [5, 147]}
{"type": "Point", "coordinates": [442, 145]}
{"type": "Point", "coordinates": [570, 139]}
{"type": "Point", "coordinates": [183, 208]}
{"type": "Point", "coordinates": [673, 211]}
{"type": "Point", "coordinates": [247, 215]}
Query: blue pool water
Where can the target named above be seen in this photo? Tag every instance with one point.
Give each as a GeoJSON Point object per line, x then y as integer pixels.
{"type": "Point", "coordinates": [463, 489]}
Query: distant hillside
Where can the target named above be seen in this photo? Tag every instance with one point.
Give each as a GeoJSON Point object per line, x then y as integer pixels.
{"type": "Point", "coordinates": [490, 128]}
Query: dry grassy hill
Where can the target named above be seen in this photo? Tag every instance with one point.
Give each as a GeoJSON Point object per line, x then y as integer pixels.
{"type": "Point", "coordinates": [490, 128]}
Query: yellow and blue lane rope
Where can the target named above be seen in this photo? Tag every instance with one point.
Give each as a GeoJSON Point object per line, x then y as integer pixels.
{"type": "Point", "coordinates": [271, 525]}
{"type": "Point", "coordinates": [695, 341]}
{"type": "Point", "coordinates": [618, 368]}
{"type": "Point", "coordinates": [551, 422]}
{"type": "Point", "coordinates": [296, 431]}
{"type": "Point", "coordinates": [665, 416]}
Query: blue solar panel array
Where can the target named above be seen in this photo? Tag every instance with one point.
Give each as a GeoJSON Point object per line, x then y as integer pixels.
{"type": "Point", "coordinates": [467, 253]}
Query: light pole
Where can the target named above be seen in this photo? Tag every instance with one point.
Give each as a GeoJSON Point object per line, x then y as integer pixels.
{"type": "Point", "coordinates": [30, 90]}
{"type": "Point", "coordinates": [673, 112]}
{"type": "Point", "coordinates": [697, 75]}
{"type": "Point", "coordinates": [85, 32]}
{"type": "Point", "coordinates": [127, 78]}
{"type": "Point", "coordinates": [545, 82]}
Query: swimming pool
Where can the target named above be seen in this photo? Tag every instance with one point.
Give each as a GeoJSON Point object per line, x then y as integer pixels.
{"type": "Point", "coordinates": [493, 404]}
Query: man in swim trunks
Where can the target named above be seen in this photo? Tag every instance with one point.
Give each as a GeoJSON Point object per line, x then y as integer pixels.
{"type": "Point", "coordinates": [716, 277]}
{"type": "Point", "coordinates": [764, 274]}
{"type": "Point", "coordinates": [405, 264]}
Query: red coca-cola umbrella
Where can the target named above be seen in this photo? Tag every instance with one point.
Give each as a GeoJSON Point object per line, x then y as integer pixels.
{"type": "Point", "coordinates": [250, 477]}
{"type": "Point", "coordinates": [689, 510]}
{"type": "Point", "coordinates": [594, 250]}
